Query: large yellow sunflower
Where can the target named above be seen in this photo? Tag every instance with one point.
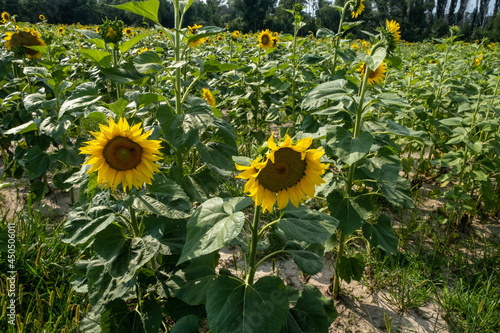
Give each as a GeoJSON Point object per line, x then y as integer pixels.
{"type": "Point", "coordinates": [24, 39]}
{"type": "Point", "coordinates": [122, 155]}
{"type": "Point", "coordinates": [357, 8]}
{"type": "Point", "coordinates": [265, 39]}
{"type": "Point", "coordinates": [393, 27]}
{"type": "Point", "coordinates": [207, 95]}
{"type": "Point", "coordinates": [5, 17]}
{"type": "Point", "coordinates": [376, 76]}
{"type": "Point", "coordinates": [287, 173]}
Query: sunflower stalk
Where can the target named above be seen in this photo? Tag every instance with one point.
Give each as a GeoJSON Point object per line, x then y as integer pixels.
{"type": "Point", "coordinates": [133, 222]}
{"type": "Point", "coordinates": [177, 53]}
{"type": "Point", "coordinates": [337, 39]}
{"type": "Point", "coordinates": [254, 229]}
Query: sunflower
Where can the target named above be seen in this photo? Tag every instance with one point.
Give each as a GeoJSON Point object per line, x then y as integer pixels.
{"type": "Point", "coordinates": [192, 30]}
{"type": "Point", "coordinates": [197, 42]}
{"type": "Point", "coordinates": [245, 36]}
{"type": "Point", "coordinates": [393, 27]}
{"type": "Point", "coordinates": [41, 17]}
{"type": "Point", "coordinates": [236, 34]}
{"type": "Point", "coordinates": [24, 39]}
{"type": "Point", "coordinates": [477, 61]}
{"type": "Point", "coordinates": [274, 42]}
{"type": "Point", "coordinates": [122, 155]}
{"type": "Point", "coordinates": [128, 32]}
{"type": "Point", "coordinates": [143, 49]}
{"type": "Point", "coordinates": [265, 39]}
{"type": "Point", "coordinates": [5, 17]}
{"type": "Point", "coordinates": [98, 29]}
{"type": "Point", "coordinates": [357, 8]}
{"type": "Point", "coordinates": [207, 95]}
{"type": "Point", "coordinates": [220, 37]}
{"type": "Point", "coordinates": [287, 173]}
{"type": "Point", "coordinates": [61, 30]}
{"type": "Point", "coordinates": [376, 76]}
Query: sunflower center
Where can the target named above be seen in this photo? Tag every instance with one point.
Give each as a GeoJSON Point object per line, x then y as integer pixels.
{"type": "Point", "coordinates": [265, 39]}
{"type": "Point", "coordinates": [122, 154]}
{"type": "Point", "coordinates": [286, 171]}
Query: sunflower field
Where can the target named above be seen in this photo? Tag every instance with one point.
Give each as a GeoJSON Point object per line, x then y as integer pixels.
{"type": "Point", "coordinates": [198, 179]}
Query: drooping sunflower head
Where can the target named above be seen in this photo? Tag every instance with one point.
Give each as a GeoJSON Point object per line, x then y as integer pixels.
{"type": "Point", "coordinates": [265, 39]}
{"type": "Point", "coordinates": [5, 17]}
{"type": "Point", "coordinates": [275, 41]}
{"type": "Point", "coordinates": [392, 34]}
{"type": "Point", "coordinates": [122, 155]}
{"type": "Point", "coordinates": [376, 76]}
{"type": "Point", "coordinates": [207, 95]}
{"type": "Point", "coordinates": [21, 40]}
{"type": "Point", "coordinates": [41, 17]}
{"type": "Point", "coordinates": [357, 8]}
{"type": "Point", "coordinates": [287, 173]}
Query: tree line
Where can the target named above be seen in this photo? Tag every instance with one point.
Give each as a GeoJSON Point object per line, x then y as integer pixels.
{"type": "Point", "coordinates": [419, 19]}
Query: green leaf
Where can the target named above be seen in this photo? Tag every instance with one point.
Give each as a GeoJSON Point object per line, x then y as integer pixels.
{"type": "Point", "coordinates": [312, 313]}
{"type": "Point", "coordinates": [351, 268]}
{"type": "Point", "coordinates": [325, 33]}
{"type": "Point", "coordinates": [213, 225]}
{"type": "Point", "coordinates": [351, 150]}
{"type": "Point", "coordinates": [37, 71]}
{"type": "Point", "coordinates": [348, 25]}
{"type": "Point", "coordinates": [152, 314]}
{"type": "Point", "coordinates": [81, 226]}
{"type": "Point", "coordinates": [351, 212]}
{"type": "Point", "coordinates": [307, 225]}
{"type": "Point", "coordinates": [213, 66]}
{"type": "Point", "coordinates": [218, 162]}
{"type": "Point", "coordinates": [101, 58]}
{"type": "Point", "coordinates": [126, 73]}
{"type": "Point", "coordinates": [397, 192]}
{"type": "Point", "coordinates": [187, 324]}
{"type": "Point", "coordinates": [397, 129]}
{"type": "Point", "coordinates": [21, 129]}
{"type": "Point", "coordinates": [164, 198]}
{"type": "Point", "coordinates": [332, 90]}
{"type": "Point", "coordinates": [84, 95]}
{"type": "Point", "coordinates": [36, 162]}
{"type": "Point", "coordinates": [190, 284]}
{"type": "Point", "coordinates": [148, 62]}
{"type": "Point", "coordinates": [184, 5]}
{"type": "Point", "coordinates": [381, 234]}
{"type": "Point", "coordinates": [384, 166]}
{"type": "Point", "coordinates": [117, 318]}
{"type": "Point", "coordinates": [233, 306]}
{"type": "Point", "coordinates": [308, 262]}
{"type": "Point", "coordinates": [124, 47]}
{"type": "Point", "coordinates": [148, 9]}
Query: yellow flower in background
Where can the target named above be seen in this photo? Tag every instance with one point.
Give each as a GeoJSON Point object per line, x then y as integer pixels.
{"type": "Point", "coordinates": [41, 17]}
{"type": "Point", "coordinates": [245, 36]}
{"type": "Point", "coordinates": [376, 76]}
{"type": "Point", "coordinates": [478, 60]}
{"type": "Point", "coordinates": [236, 34]}
{"type": "Point", "coordinates": [192, 30]}
{"type": "Point", "coordinates": [143, 49]}
{"type": "Point", "coordinates": [128, 32]}
{"type": "Point", "coordinates": [220, 37]}
{"type": "Point", "coordinates": [25, 39]}
{"type": "Point", "coordinates": [207, 95]}
{"type": "Point", "coordinates": [97, 29]}
{"type": "Point", "coordinates": [287, 173]}
{"type": "Point", "coordinates": [393, 27]}
{"type": "Point", "coordinates": [197, 42]}
{"type": "Point", "coordinates": [6, 17]}
{"type": "Point", "coordinates": [275, 41]}
{"type": "Point", "coordinates": [265, 39]}
{"type": "Point", "coordinates": [61, 30]}
{"type": "Point", "coordinates": [122, 155]}
{"type": "Point", "coordinates": [357, 8]}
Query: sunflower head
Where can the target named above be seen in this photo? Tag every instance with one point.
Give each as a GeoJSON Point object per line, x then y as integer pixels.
{"type": "Point", "coordinates": [357, 8]}
{"type": "Point", "coordinates": [478, 60]}
{"type": "Point", "coordinates": [197, 42]}
{"type": "Point", "coordinates": [143, 49]}
{"type": "Point", "coordinates": [265, 39]}
{"type": "Point", "coordinates": [392, 35]}
{"type": "Point", "coordinates": [61, 30]}
{"type": "Point", "coordinates": [192, 30]}
{"type": "Point", "coordinates": [128, 32]}
{"type": "Point", "coordinates": [236, 34]}
{"type": "Point", "coordinates": [220, 37]}
{"type": "Point", "coordinates": [376, 76]}
{"type": "Point", "coordinates": [6, 17]}
{"type": "Point", "coordinates": [41, 17]}
{"type": "Point", "coordinates": [111, 31]}
{"type": "Point", "coordinates": [275, 41]}
{"type": "Point", "coordinates": [207, 95]}
{"type": "Point", "coordinates": [20, 41]}
{"type": "Point", "coordinates": [122, 155]}
{"type": "Point", "coordinates": [245, 36]}
{"type": "Point", "coordinates": [287, 173]}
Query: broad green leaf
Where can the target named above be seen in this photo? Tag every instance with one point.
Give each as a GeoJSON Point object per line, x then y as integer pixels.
{"type": "Point", "coordinates": [36, 101]}
{"type": "Point", "coordinates": [204, 32]}
{"type": "Point", "coordinates": [124, 47]}
{"type": "Point", "coordinates": [215, 66]}
{"type": "Point", "coordinates": [24, 128]}
{"type": "Point", "coordinates": [218, 162]}
{"type": "Point", "coordinates": [148, 9]}
{"type": "Point", "coordinates": [148, 62]}
{"type": "Point", "coordinates": [36, 162]}
{"type": "Point", "coordinates": [184, 5]}
{"type": "Point", "coordinates": [190, 284]}
{"type": "Point", "coordinates": [152, 314]}
{"type": "Point", "coordinates": [312, 313]}
{"type": "Point", "coordinates": [118, 318]}
{"type": "Point", "coordinates": [37, 71]}
{"type": "Point", "coordinates": [397, 129]}
{"type": "Point", "coordinates": [213, 225]}
{"type": "Point", "coordinates": [351, 212]}
{"type": "Point", "coordinates": [307, 225]}
{"type": "Point", "coordinates": [101, 58]}
{"type": "Point", "coordinates": [84, 95]}
{"type": "Point", "coordinates": [325, 33]}
{"type": "Point", "coordinates": [126, 73]}
{"type": "Point", "coordinates": [332, 90]}
{"type": "Point", "coordinates": [187, 324]}
{"type": "Point", "coordinates": [80, 226]}
{"type": "Point", "coordinates": [308, 262]}
{"type": "Point", "coordinates": [348, 25]}
{"type": "Point", "coordinates": [381, 234]}
{"type": "Point", "coordinates": [384, 166]}
{"type": "Point", "coordinates": [397, 192]}
{"type": "Point", "coordinates": [351, 267]}
{"type": "Point", "coordinates": [233, 306]}
{"type": "Point", "coordinates": [351, 150]}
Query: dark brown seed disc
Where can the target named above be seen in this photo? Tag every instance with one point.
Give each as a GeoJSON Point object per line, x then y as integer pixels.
{"type": "Point", "coordinates": [286, 171]}
{"type": "Point", "coordinates": [122, 154]}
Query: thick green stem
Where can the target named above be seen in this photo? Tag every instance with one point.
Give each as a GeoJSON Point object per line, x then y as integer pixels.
{"type": "Point", "coordinates": [133, 222]}
{"type": "Point", "coordinates": [253, 246]}
{"type": "Point", "coordinates": [177, 52]}
{"type": "Point", "coordinates": [337, 39]}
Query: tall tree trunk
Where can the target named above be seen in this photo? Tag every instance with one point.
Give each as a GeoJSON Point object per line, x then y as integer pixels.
{"type": "Point", "coordinates": [440, 8]}
{"type": "Point", "coordinates": [461, 11]}
{"type": "Point", "coordinates": [483, 11]}
{"type": "Point", "coordinates": [451, 12]}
